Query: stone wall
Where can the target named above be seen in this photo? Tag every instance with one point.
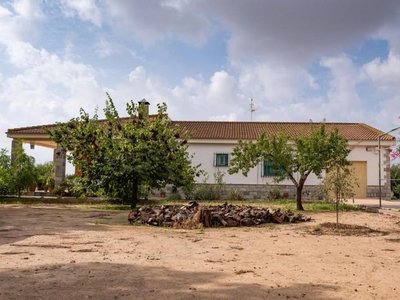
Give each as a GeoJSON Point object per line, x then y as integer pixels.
{"type": "Point", "coordinates": [261, 191]}
{"type": "Point", "coordinates": [310, 192]}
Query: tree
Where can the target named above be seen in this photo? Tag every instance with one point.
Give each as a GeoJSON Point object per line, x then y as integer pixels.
{"type": "Point", "coordinates": [22, 170]}
{"type": "Point", "coordinates": [118, 155]}
{"type": "Point", "coordinates": [341, 181]}
{"type": "Point", "coordinates": [314, 151]}
{"type": "Point", "coordinates": [5, 173]}
{"type": "Point", "coordinates": [45, 175]}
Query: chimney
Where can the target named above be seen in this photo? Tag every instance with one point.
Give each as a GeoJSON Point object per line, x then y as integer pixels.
{"type": "Point", "coordinates": [144, 103]}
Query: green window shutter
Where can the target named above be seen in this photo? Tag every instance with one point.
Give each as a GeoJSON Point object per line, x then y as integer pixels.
{"type": "Point", "coordinates": [221, 160]}
{"type": "Point", "coordinates": [270, 170]}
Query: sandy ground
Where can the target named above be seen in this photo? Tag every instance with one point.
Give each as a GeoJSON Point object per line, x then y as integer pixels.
{"type": "Point", "coordinates": [59, 253]}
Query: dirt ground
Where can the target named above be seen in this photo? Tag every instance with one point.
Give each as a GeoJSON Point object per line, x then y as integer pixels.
{"type": "Point", "coordinates": [49, 252]}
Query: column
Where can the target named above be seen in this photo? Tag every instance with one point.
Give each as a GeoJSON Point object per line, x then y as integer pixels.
{"type": "Point", "coordinates": [14, 145]}
{"type": "Point", "coordinates": [386, 191]}
{"type": "Point", "coordinates": [60, 161]}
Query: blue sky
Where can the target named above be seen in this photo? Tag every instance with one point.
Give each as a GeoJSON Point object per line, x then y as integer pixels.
{"type": "Point", "coordinates": [298, 60]}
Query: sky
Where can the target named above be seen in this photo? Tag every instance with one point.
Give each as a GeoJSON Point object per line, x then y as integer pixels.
{"type": "Point", "coordinates": [298, 60]}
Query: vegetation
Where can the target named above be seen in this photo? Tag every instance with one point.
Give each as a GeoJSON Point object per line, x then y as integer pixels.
{"type": "Point", "coordinates": [118, 155]}
{"type": "Point", "coordinates": [284, 204]}
{"type": "Point", "coordinates": [204, 191]}
{"type": "Point", "coordinates": [45, 175]}
{"type": "Point", "coordinates": [16, 174]}
{"type": "Point", "coordinates": [341, 182]}
{"type": "Point", "coordinates": [395, 180]}
{"type": "Point", "coordinates": [311, 152]}
{"type": "Point", "coordinates": [5, 173]}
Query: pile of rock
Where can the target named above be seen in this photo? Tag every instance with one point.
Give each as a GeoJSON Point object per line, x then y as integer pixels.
{"type": "Point", "coordinates": [212, 216]}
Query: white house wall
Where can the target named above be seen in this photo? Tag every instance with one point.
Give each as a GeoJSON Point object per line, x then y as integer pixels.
{"type": "Point", "coordinates": [204, 152]}
{"type": "Point", "coordinates": [204, 155]}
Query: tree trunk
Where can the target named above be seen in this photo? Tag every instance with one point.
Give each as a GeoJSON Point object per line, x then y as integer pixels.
{"type": "Point", "coordinates": [299, 190]}
{"type": "Point", "coordinates": [135, 193]}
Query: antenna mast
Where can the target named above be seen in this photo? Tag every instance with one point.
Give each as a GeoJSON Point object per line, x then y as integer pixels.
{"type": "Point", "coordinates": [253, 109]}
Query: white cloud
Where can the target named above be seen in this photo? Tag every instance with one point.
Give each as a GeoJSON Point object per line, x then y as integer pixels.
{"type": "Point", "coordinates": [273, 84]}
{"type": "Point", "coordinates": [14, 27]}
{"type": "Point", "coordinates": [137, 73]}
{"type": "Point", "coordinates": [228, 117]}
{"type": "Point", "coordinates": [298, 31]}
{"type": "Point", "coordinates": [29, 9]}
{"type": "Point", "coordinates": [87, 10]}
{"type": "Point", "coordinates": [104, 48]}
{"type": "Point", "coordinates": [385, 74]}
{"type": "Point", "coordinates": [150, 21]}
{"type": "Point", "coordinates": [342, 94]}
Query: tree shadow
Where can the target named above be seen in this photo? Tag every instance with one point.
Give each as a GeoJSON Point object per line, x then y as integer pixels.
{"type": "Point", "coordinates": [18, 222]}
{"type": "Point", "coordinates": [129, 281]}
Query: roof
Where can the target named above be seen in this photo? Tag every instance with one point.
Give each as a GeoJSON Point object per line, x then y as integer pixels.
{"type": "Point", "coordinates": [252, 130]}
{"type": "Point", "coordinates": [247, 130]}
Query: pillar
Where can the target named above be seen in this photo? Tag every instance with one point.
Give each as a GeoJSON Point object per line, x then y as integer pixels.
{"type": "Point", "coordinates": [386, 190]}
{"type": "Point", "coordinates": [14, 145]}
{"type": "Point", "coordinates": [60, 161]}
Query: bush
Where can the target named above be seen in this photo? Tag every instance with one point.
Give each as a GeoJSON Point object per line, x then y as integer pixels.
{"type": "Point", "coordinates": [204, 191]}
{"type": "Point", "coordinates": [175, 196]}
{"type": "Point", "coordinates": [207, 192]}
{"type": "Point", "coordinates": [272, 192]}
{"type": "Point", "coordinates": [235, 195]}
{"type": "Point", "coordinates": [395, 180]}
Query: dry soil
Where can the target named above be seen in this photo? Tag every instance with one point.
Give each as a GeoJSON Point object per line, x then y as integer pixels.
{"type": "Point", "coordinates": [53, 252]}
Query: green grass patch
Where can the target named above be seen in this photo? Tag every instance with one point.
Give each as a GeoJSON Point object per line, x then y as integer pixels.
{"type": "Point", "coordinates": [285, 204]}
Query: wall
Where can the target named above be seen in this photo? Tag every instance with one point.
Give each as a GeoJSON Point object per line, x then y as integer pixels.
{"type": "Point", "coordinates": [205, 150]}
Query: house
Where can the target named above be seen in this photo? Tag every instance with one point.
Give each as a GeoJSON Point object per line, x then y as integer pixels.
{"type": "Point", "coordinates": [211, 144]}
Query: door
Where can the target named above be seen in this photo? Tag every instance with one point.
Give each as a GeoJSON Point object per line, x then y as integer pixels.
{"type": "Point", "coordinates": [360, 171]}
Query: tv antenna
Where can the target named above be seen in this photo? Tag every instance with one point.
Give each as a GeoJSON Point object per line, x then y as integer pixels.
{"type": "Point", "coordinates": [253, 109]}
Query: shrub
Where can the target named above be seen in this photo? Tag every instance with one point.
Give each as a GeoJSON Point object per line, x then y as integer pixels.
{"type": "Point", "coordinates": [272, 192]}
{"type": "Point", "coordinates": [236, 195]}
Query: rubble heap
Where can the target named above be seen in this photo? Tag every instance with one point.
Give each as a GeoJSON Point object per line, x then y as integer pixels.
{"type": "Point", "coordinates": [226, 215]}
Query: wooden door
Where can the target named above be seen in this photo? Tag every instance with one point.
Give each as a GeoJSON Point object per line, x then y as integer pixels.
{"type": "Point", "coordinates": [360, 171]}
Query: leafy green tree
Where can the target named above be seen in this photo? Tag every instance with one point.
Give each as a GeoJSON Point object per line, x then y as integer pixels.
{"type": "Point", "coordinates": [23, 170]}
{"type": "Point", "coordinates": [118, 155]}
{"type": "Point", "coordinates": [311, 152]}
{"type": "Point", "coordinates": [395, 180]}
{"type": "Point", "coordinates": [45, 175]}
{"type": "Point", "coordinates": [5, 173]}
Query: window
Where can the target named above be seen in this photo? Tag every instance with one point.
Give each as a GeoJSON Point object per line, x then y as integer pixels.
{"type": "Point", "coordinates": [221, 160]}
{"type": "Point", "coordinates": [272, 170]}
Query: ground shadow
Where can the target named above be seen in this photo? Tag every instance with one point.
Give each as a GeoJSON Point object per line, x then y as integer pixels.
{"type": "Point", "coordinates": [129, 281]}
{"type": "Point", "coordinates": [18, 222]}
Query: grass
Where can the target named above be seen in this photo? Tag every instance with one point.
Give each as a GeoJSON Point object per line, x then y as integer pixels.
{"type": "Point", "coordinates": [284, 204]}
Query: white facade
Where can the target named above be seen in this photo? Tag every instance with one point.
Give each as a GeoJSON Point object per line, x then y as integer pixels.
{"type": "Point", "coordinates": [204, 152]}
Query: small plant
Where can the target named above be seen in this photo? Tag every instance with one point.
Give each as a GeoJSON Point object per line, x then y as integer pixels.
{"type": "Point", "coordinates": [236, 195]}
{"type": "Point", "coordinates": [340, 182]}
{"type": "Point", "coordinates": [316, 228]}
{"type": "Point", "coordinates": [175, 196]}
{"type": "Point", "coordinates": [272, 192]}
{"type": "Point", "coordinates": [96, 222]}
{"type": "Point", "coordinates": [204, 191]}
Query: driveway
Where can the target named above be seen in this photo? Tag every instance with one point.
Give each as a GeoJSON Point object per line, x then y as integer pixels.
{"type": "Point", "coordinates": [374, 202]}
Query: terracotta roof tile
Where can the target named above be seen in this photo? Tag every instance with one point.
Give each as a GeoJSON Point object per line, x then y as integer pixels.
{"type": "Point", "coordinates": [249, 130]}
